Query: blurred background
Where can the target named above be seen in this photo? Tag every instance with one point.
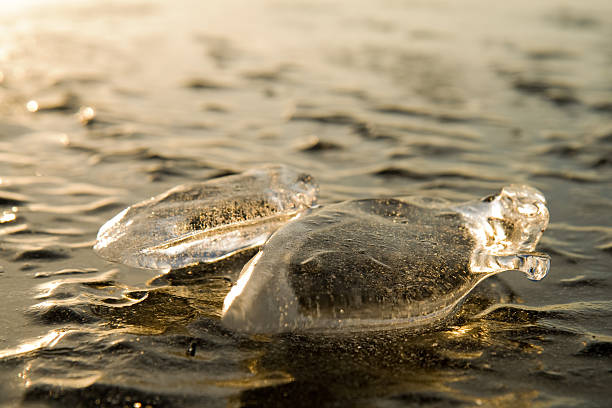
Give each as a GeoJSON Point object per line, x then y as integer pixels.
{"type": "Point", "coordinates": [106, 103]}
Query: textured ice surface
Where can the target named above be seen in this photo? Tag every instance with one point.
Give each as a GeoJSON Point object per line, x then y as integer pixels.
{"type": "Point", "coordinates": [205, 222]}
{"type": "Point", "coordinates": [385, 263]}
{"type": "Point", "coordinates": [507, 228]}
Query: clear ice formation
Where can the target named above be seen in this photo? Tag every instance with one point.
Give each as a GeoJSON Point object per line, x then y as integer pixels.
{"type": "Point", "coordinates": [385, 263]}
{"type": "Point", "coordinates": [356, 265]}
{"type": "Point", "coordinates": [205, 222]}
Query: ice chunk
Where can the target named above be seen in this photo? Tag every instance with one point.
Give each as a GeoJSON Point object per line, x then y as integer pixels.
{"type": "Point", "coordinates": [506, 228]}
{"type": "Point", "coordinates": [205, 222]}
{"type": "Point", "coordinates": [385, 263]}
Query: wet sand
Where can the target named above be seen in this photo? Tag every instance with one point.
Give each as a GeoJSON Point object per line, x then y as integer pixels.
{"type": "Point", "coordinates": [105, 104]}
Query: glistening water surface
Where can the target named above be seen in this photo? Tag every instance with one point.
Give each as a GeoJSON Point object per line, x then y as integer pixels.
{"type": "Point", "coordinates": [104, 104]}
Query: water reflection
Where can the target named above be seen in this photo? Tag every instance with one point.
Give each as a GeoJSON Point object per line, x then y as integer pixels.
{"type": "Point", "coordinates": [403, 98]}
{"type": "Point", "coordinates": [86, 115]}
{"type": "Point", "coordinates": [397, 366]}
{"type": "Point", "coordinates": [50, 340]}
{"type": "Point", "coordinates": [291, 369]}
{"type": "Point", "coordinates": [32, 106]}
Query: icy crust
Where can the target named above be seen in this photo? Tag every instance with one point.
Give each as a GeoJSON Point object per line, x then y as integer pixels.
{"type": "Point", "coordinates": [205, 222]}
{"type": "Point", "coordinates": [506, 228]}
{"type": "Point", "coordinates": [371, 264]}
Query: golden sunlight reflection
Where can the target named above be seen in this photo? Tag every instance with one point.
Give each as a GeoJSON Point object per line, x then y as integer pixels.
{"type": "Point", "coordinates": [241, 283]}
{"type": "Point", "coordinates": [7, 216]}
{"type": "Point", "coordinates": [64, 139]}
{"type": "Point", "coordinates": [258, 379]}
{"type": "Point", "coordinates": [32, 106]}
{"type": "Point", "coordinates": [49, 340]}
{"type": "Point", "coordinates": [86, 114]}
{"type": "Point", "coordinates": [46, 289]}
{"type": "Point", "coordinates": [14, 6]}
{"type": "Point", "coordinates": [459, 330]}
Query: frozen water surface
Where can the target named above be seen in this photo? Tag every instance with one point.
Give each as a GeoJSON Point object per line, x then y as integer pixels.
{"type": "Point", "coordinates": [204, 222]}
{"type": "Point", "coordinates": [385, 263]}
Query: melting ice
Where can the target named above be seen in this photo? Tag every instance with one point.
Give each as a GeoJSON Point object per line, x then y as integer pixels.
{"type": "Point", "coordinates": [205, 222]}
{"type": "Point", "coordinates": [362, 264]}
{"type": "Point", "coordinates": [381, 263]}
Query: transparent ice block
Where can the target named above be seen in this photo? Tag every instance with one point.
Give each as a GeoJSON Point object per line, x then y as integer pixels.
{"type": "Point", "coordinates": [385, 263]}
{"type": "Point", "coordinates": [205, 222]}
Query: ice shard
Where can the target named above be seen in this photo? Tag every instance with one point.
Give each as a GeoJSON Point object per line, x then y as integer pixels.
{"type": "Point", "coordinates": [205, 222]}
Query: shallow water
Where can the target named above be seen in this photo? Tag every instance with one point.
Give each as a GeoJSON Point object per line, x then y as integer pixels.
{"type": "Point", "coordinates": [374, 99]}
